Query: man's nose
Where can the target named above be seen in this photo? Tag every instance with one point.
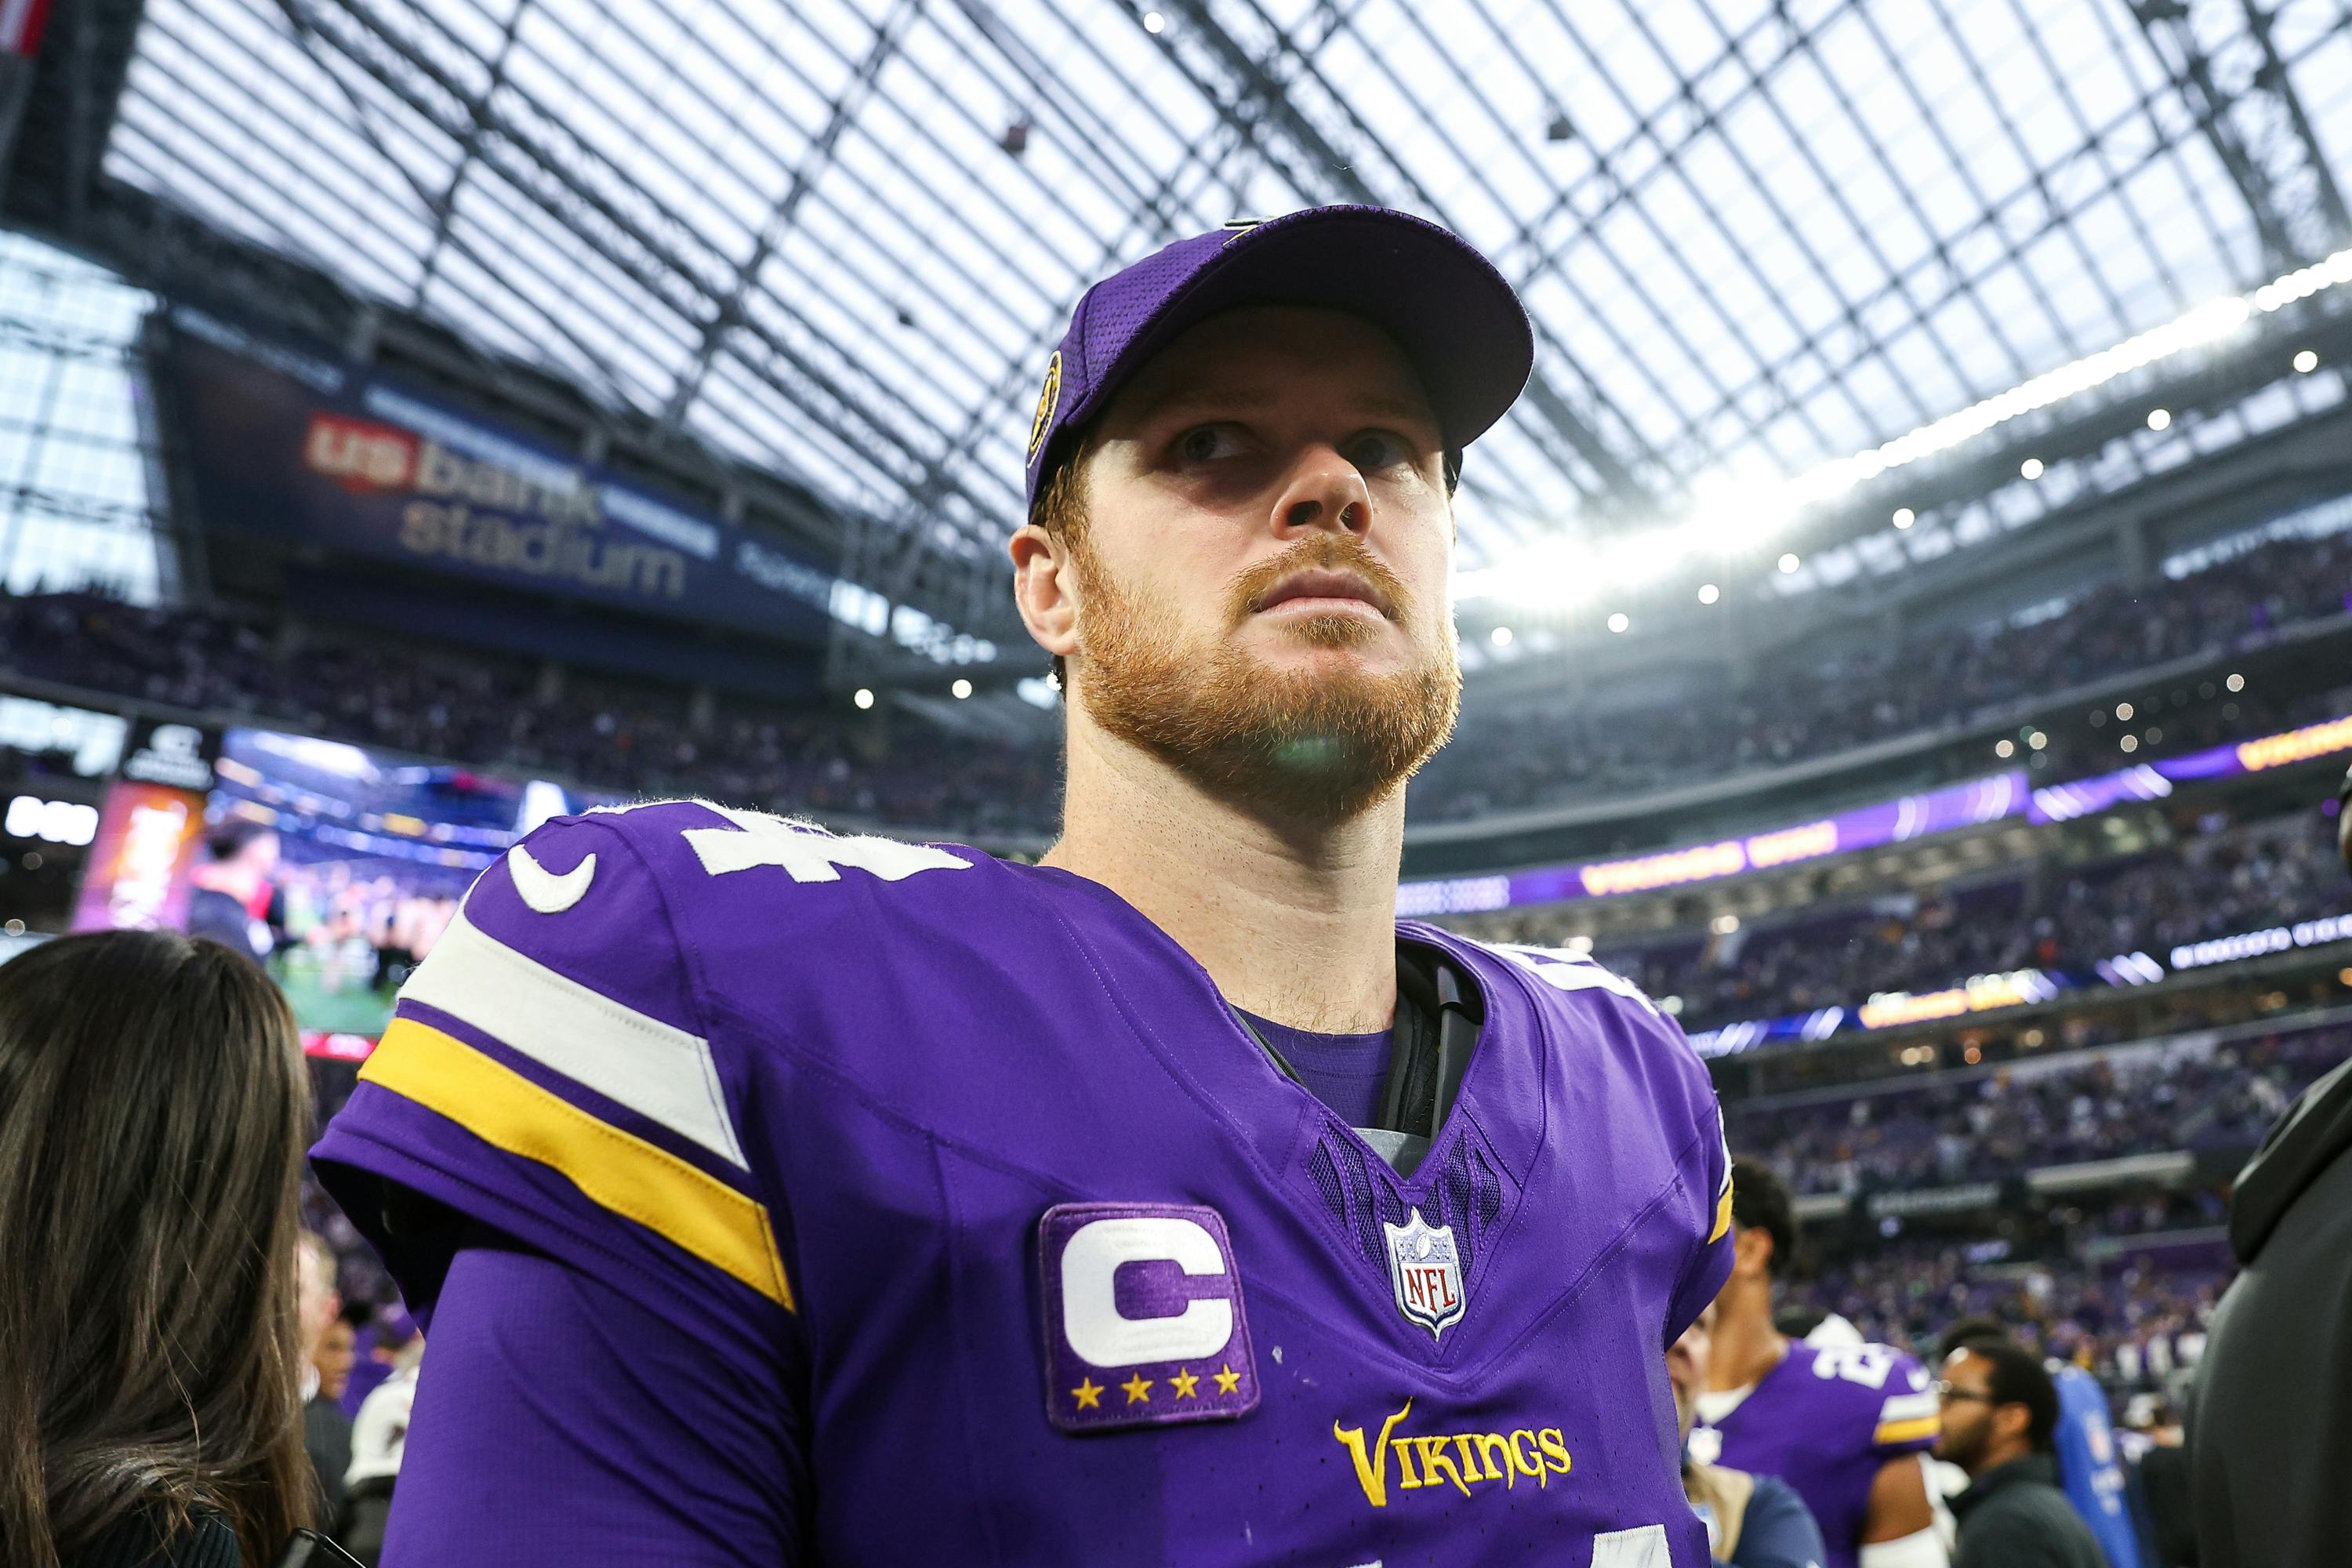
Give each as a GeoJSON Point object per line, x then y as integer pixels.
{"type": "Point", "coordinates": [1325, 492]}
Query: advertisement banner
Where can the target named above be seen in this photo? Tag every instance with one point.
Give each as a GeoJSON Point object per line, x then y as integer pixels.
{"type": "Point", "coordinates": [137, 875]}
{"type": "Point", "coordinates": [314, 452]}
{"type": "Point", "coordinates": [1988, 799]}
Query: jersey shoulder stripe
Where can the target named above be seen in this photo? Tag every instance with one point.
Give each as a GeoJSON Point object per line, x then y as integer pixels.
{"type": "Point", "coordinates": [662, 1072]}
{"type": "Point", "coordinates": [616, 1169]}
{"type": "Point", "coordinates": [1889, 1433]}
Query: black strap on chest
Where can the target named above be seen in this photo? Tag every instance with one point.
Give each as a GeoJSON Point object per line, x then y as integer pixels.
{"type": "Point", "coordinates": [1438, 1015]}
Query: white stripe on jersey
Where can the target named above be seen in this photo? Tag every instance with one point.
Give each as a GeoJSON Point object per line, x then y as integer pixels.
{"type": "Point", "coordinates": [1910, 1406]}
{"type": "Point", "coordinates": [657, 1070]}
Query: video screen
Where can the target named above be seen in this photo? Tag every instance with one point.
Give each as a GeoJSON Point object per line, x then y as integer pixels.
{"type": "Point", "coordinates": [340, 867]}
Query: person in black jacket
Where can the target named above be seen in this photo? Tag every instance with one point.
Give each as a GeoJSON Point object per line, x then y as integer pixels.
{"type": "Point", "coordinates": [2269, 1415]}
{"type": "Point", "coordinates": [1999, 1409]}
{"type": "Point", "coordinates": [153, 1104]}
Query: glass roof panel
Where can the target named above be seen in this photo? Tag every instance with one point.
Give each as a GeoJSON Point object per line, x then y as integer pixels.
{"type": "Point", "coordinates": [840, 238]}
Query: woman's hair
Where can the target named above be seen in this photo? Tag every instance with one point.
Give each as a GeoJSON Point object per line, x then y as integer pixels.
{"type": "Point", "coordinates": [153, 1105]}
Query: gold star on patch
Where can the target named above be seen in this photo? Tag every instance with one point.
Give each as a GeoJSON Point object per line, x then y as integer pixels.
{"type": "Point", "coordinates": [1228, 1379]}
{"type": "Point", "coordinates": [1185, 1382]}
{"type": "Point", "coordinates": [1139, 1389]}
{"type": "Point", "coordinates": [1088, 1393]}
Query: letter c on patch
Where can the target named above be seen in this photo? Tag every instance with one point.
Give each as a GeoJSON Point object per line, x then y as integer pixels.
{"type": "Point", "coordinates": [1091, 1319]}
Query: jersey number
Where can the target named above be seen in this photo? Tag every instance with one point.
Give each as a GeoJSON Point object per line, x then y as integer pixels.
{"type": "Point", "coordinates": [1865, 1364]}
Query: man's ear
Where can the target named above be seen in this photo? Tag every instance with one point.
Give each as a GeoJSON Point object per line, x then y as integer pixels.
{"type": "Point", "coordinates": [2012, 1420]}
{"type": "Point", "coordinates": [1045, 589]}
{"type": "Point", "coordinates": [1751, 1252]}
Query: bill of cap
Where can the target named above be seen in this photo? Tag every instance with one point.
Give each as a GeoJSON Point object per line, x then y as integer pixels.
{"type": "Point", "coordinates": [1455, 317]}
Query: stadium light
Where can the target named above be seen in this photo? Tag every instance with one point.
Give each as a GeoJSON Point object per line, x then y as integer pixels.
{"type": "Point", "coordinates": [2235, 683]}
{"type": "Point", "coordinates": [1726, 508]}
{"type": "Point", "coordinates": [2004, 747]}
{"type": "Point", "coordinates": [1153, 22]}
{"type": "Point", "coordinates": [1618, 622]}
{"type": "Point", "coordinates": [1709, 592]}
{"type": "Point", "coordinates": [2031, 468]}
{"type": "Point", "coordinates": [865, 699]}
{"type": "Point", "coordinates": [1905, 517]}
{"type": "Point", "coordinates": [2159, 418]}
{"type": "Point", "coordinates": [2037, 740]}
{"type": "Point", "coordinates": [1500, 637]}
{"type": "Point", "coordinates": [2123, 711]}
{"type": "Point", "coordinates": [962, 688]}
{"type": "Point", "coordinates": [1788, 562]}
{"type": "Point", "coordinates": [2130, 742]}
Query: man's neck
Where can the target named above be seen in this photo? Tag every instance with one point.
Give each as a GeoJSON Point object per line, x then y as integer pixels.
{"type": "Point", "coordinates": [1747, 1345]}
{"type": "Point", "coordinates": [1295, 922]}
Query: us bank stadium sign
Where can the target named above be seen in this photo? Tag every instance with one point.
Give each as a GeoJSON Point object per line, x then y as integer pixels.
{"type": "Point", "coordinates": [317, 452]}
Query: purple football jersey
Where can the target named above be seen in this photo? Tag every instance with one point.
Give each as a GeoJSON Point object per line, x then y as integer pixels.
{"type": "Point", "coordinates": [1826, 1420]}
{"type": "Point", "coordinates": [973, 1164]}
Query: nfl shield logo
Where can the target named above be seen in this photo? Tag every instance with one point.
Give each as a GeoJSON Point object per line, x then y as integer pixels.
{"type": "Point", "coordinates": [1426, 1270]}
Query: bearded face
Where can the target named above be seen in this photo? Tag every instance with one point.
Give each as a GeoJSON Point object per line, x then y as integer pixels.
{"type": "Point", "coordinates": [1250, 565]}
{"type": "Point", "coordinates": [1312, 740]}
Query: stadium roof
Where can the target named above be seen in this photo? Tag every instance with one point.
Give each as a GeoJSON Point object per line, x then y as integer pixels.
{"type": "Point", "coordinates": [1757, 237]}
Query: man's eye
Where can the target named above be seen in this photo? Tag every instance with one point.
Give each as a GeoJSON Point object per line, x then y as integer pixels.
{"type": "Point", "coordinates": [1207, 444]}
{"type": "Point", "coordinates": [1377, 450]}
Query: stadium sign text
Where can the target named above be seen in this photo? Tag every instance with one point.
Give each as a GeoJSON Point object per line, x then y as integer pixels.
{"type": "Point", "coordinates": [2256, 943]}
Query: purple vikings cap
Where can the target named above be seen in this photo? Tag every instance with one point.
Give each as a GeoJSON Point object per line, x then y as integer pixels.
{"type": "Point", "coordinates": [1448, 308]}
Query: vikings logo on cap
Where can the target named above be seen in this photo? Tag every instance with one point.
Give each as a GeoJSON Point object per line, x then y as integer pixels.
{"type": "Point", "coordinates": [1143, 1317]}
{"type": "Point", "coordinates": [1049, 397]}
{"type": "Point", "coordinates": [1425, 1271]}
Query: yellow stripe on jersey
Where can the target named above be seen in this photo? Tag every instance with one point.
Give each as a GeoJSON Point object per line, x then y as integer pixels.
{"type": "Point", "coordinates": [1906, 1431]}
{"type": "Point", "coordinates": [1722, 1214]}
{"type": "Point", "coordinates": [617, 1170]}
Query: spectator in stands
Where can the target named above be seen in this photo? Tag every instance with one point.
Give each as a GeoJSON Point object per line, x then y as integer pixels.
{"type": "Point", "coordinates": [234, 887]}
{"type": "Point", "coordinates": [379, 1439]}
{"type": "Point", "coordinates": [2271, 1413]}
{"type": "Point", "coordinates": [153, 1107]}
{"type": "Point", "coordinates": [1752, 1521]}
{"type": "Point", "coordinates": [326, 1430]}
{"type": "Point", "coordinates": [2160, 1488]}
{"type": "Point", "coordinates": [1999, 1411]}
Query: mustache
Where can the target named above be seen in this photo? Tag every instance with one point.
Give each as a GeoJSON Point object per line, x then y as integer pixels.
{"type": "Point", "coordinates": [1325, 552]}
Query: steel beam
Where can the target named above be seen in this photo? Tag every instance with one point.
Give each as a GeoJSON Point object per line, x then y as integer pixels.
{"type": "Point", "coordinates": [1329, 155]}
{"type": "Point", "coordinates": [2227, 68]}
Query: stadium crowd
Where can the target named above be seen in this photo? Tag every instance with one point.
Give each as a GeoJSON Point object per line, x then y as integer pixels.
{"type": "Point", "coordinates": [1992, 1124]}
{"type": "Point", "coordinates": [2134, 1324]}
{"type": "Point", "coordinates": [486, 712]}
{"type": "Point", "coordinates": [2241, 878]}
{"type": "Point", "coordinates": [1800, 710]}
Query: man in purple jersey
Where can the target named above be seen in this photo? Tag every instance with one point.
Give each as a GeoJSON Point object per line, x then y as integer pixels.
{"type": "Point", "coordinates": [1846, 1425]}
{"type": "Point", "coordinates": [775, 1197]}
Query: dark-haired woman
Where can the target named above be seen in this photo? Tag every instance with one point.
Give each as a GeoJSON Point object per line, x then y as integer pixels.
{"type": "Point", "coordinates": [152, 1110]}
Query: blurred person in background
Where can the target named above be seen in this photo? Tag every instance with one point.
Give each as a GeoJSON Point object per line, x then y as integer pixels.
{"type": "Point", "coordinates": [379, 1439]}
{"type": "Point", "coordinates": [2000, 1409]}
{"type": "Point", "coordinates": [1846, 1425]}
{"type": "Point", "coordinates": [1752, 1521]}
{"type": "Point", "coordinates": [380, 1341]}
{"type": "Point", "coordinates": [2160, 1484]}
{"type": "Point", "coordinates": [2082, 1444]}
{"type": "Point", "coordinates": [2269, 1415]}
{"type": "Point", "coordinates": [337, 1355]}
{"type": "Point", "coordinates": [153, 1105]}
{"type": "Point", "coordinates": [326, 1430]}
{"type": "Point", "coordinates": [235, 889]}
